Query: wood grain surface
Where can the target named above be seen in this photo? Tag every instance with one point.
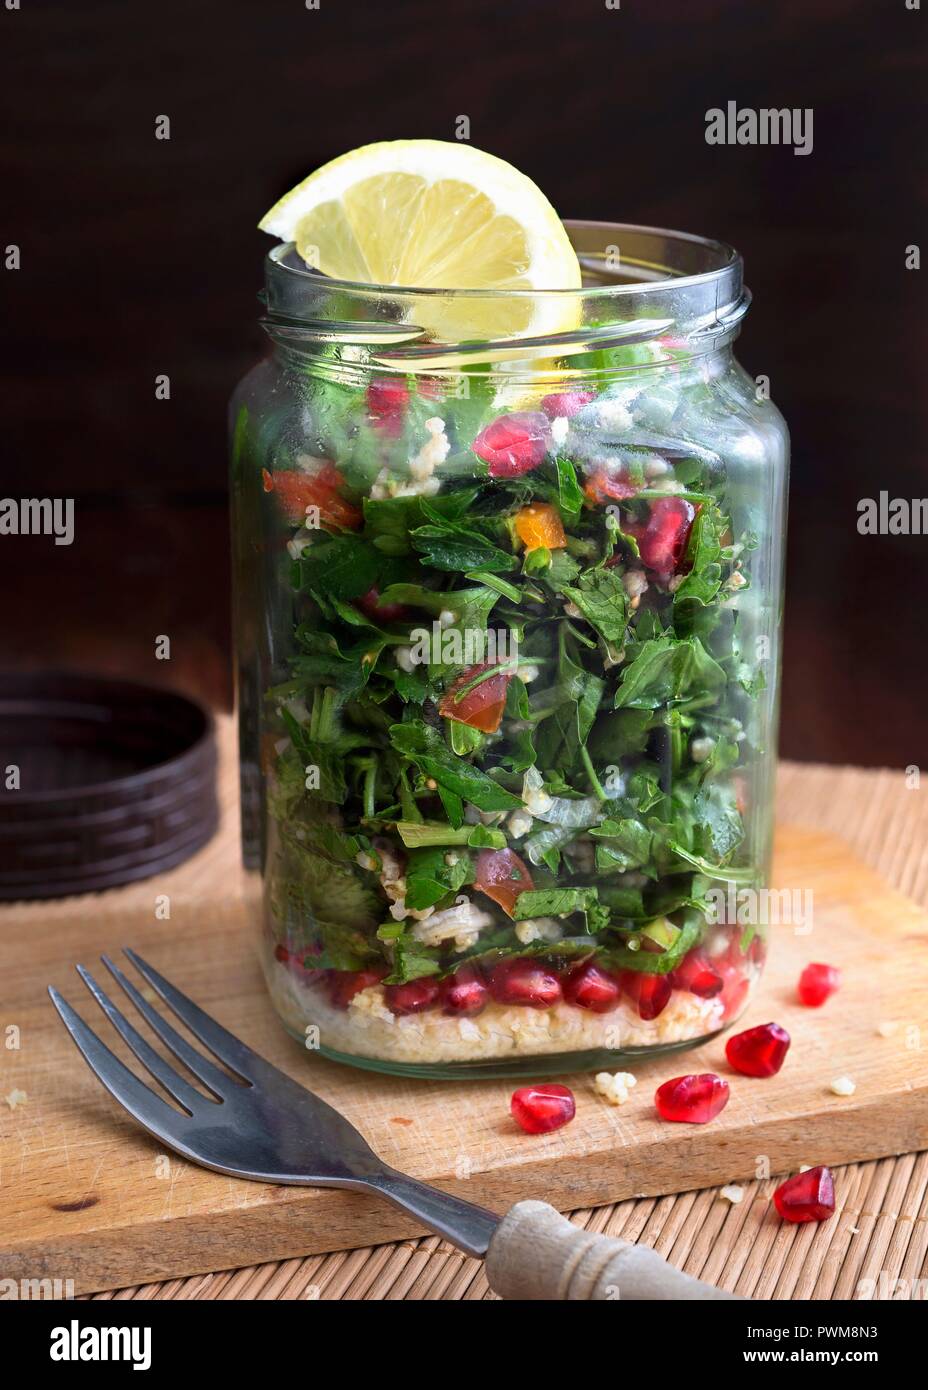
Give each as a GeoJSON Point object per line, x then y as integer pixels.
{"type": "Point", "coordinates": [90, 1198]}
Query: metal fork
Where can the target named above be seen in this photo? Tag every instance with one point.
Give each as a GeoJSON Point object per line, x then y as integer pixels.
{"type": "Point", "coordinates": [263, 1125]}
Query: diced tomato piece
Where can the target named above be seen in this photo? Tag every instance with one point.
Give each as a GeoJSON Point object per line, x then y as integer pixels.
{"type": "Point", "coordinates": [297, 490]}
{"type": "Point", "coordinates": [482, 706]}
{"type": "Point", "coordinates": [540, 525]}
{"type": "Point", "coordinates": [513, 444]}
{"type": "Point", "coordinates": [604, 487]}
{"type": "Point", "coordinates": [502, 876]}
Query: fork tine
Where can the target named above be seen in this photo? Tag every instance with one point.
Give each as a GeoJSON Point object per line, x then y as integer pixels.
{"type": "Point", "coordinates": [175, 1085]}
{"type": "Point", "coordinates": [123, 1085]}
{"type": "Point", "coordinates": [223, 1044]}
{"type": "Point", "coordinates": [219, 1082]}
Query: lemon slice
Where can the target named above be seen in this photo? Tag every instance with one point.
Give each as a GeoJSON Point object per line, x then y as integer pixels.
{"type": "Point", "coordinates": [436, 214]}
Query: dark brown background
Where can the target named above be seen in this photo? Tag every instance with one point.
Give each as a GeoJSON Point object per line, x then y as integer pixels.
{"type": "Point", "coordinates": [140, 257]}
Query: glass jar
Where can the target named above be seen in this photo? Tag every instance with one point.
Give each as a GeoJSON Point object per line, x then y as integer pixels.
{"type": "Point", "coordinates": [509, 585]}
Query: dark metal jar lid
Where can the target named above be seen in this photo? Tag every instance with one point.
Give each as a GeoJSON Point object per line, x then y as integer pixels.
{"type": "Point", "coordinates": [101, 782]}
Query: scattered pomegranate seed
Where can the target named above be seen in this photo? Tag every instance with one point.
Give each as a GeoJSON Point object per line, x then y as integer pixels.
{"type": "Point", "coordinates": [693, 1100]}
{"type": "Point", "coordinates": [525, 981]}
{"type": "Point", "coordinates": [759, 1051]}
{"type": "Point", "coordinates": [650, 992]}
{"type": "Point", "coordinates": [345, 984]}
{"type": "Point", "coordinates": [589, 987]}
{"type": "Point", "coordinates": [808, 1196]}
{"type": "Point", "coordinates": [662, 541]}
{"type": "Point", "coordinates": [372, 604]}
{"type": "Point", "coordinates": [414, 997]}
{"type": "Point", "coordinates": [699, 976]}
{"type": "Point", "coordinates": [513, 444]}
{"type": "Point", "coordinates": [464, 993]}
{"type": "Point", "coordinates": [282, 954]}
{"type": "Point", "coordinates": [817, 983]}
{"type": "Point", "coordinates": [539, 1109]}
{"type": "Point", "coordinates": [566, 403]}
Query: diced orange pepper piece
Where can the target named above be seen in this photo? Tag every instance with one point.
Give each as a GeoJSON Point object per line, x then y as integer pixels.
{"type": "Point", "coordinates": [539, 524]}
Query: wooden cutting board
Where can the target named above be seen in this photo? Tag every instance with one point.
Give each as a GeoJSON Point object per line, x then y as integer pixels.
{"type": "Point", "coordinates": [88, 1197]}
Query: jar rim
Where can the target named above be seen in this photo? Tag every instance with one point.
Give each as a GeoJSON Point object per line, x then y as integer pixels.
{"type": "Point", "coordinates": [655, 274]}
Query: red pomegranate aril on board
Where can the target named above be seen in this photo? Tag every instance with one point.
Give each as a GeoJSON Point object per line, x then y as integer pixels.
{"type": "Point", "coordinates": [539, 1109]}
{"type": "Point", "coordinates": [698, 976]}
{"type": "Point", "coordinates": [693, 1100]}
{"type": "Point", "coordinates": [464, 993]}
{"type": "Point", "coordinates": [651, 993]}
{"type": "Point", "coordinates": [513, 444]}
{"type": "Point", "coordinates": [759, 1051]}
{"type": "Point", "coordinates": [817, 983]}
{"type": "Point", "coordinates": [809, 1196]}
{"type": "Point", "coordinates": [414, 997]}
{"type": "Point", "coordinates": [662, 543]}
{"type": "Point", "coordinates": [345, 984]}
{"type": "Point", "coordinates": [525, 981]}
{"type": "Point", "coordinates": [590, 987]}
{"type": "Point", "coordinates": [566, 403]}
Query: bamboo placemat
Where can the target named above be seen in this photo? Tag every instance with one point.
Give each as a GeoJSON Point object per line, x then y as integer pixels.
{"type": "Point", "coordinates": [876, 1245]}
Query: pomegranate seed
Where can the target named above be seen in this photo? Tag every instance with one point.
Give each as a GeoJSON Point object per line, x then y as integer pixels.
{"type": "Point", "coordinates": [816, 983]}
{"type": "Point", "coordinates": [589, 987]}
{"type": "Point", "coordinates": [282, 954]}
{"type": "Point", "coordinates": [464, 993]}
{"type": "Point", "coordinates": [808, 1196]}
{"type": "Point", "coordinates": [650, 992]}
{"type": "Point", "coordinates": [525, 981]}
{"type": "Point", "coordinates": [699, 976]}
{"type": "Point", "coordinates": [513, 444]}
{"type": "Point", "coordinates": [759, 1051]}
{"type": "Point", "coordinates": [412, 998]}
{"type": "Point", "coordinates": [664, 538]}
{"type": "Point", "coordinates": [693, 1100]}
{"type": "Point", "coordinates": [539, 1109]}
{"type": "Point", "coordinates": [345, 984]}
{"type": "Point", "coordinates": [387, 397]}
{"type": "Point", "coordinates": [566, 403]}
{"type": "Point", "coordinates": [372, 604]}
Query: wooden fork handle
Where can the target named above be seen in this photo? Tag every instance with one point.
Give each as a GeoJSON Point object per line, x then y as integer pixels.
{"type": "Point", "coordinates": [536, 1253]}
